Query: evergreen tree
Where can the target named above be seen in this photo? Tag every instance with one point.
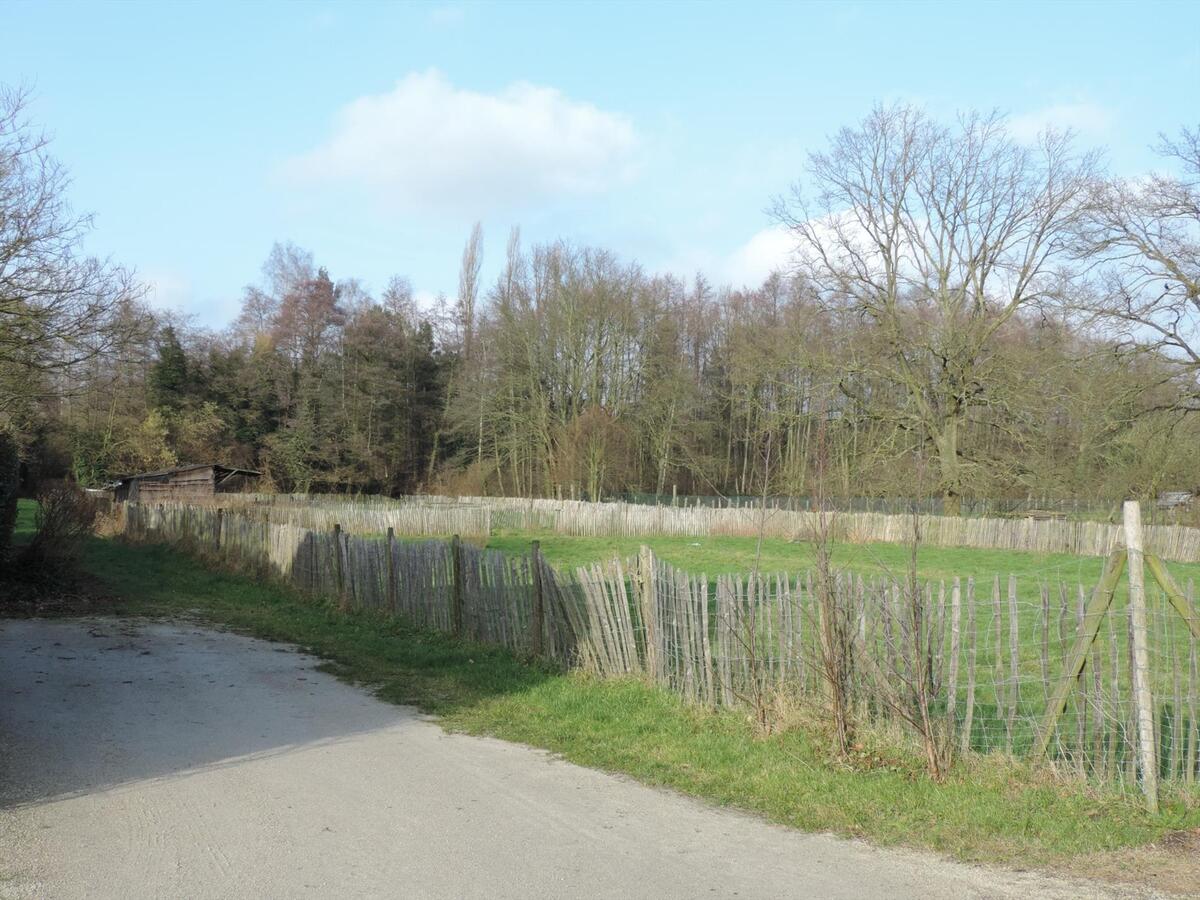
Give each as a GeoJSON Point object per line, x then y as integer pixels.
{"type": "Point", "coordinates": [168, 384]}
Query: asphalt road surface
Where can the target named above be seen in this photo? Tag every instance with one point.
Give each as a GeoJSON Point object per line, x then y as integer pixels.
{"type": "Point", "coordinates": [155, 760]}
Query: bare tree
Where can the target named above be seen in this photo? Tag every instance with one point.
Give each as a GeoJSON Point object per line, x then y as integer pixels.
{"type": "Point", "coordinates": [285, 273]}
{"type": "Point", "coordinates": [468, 287]}
{"type": "Point", "coordinates": [936, 236]}
{"type": "Point", "coordinates": [468, 298]}
{"type": "Point", "coordinates": [1142, 237]}
{"type": "Point", "coordinates": [58, 308]}
{"type": "Point", "coordinates": [397, 298]}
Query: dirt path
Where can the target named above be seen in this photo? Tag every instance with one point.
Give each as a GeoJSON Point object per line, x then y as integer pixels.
{"type": "Point", "coordinates": [151, 760]}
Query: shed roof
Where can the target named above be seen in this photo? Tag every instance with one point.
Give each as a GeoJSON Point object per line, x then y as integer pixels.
{"type": "Point", "coordinates": [224, 470]}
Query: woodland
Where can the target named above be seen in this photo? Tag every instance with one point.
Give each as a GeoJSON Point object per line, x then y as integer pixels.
{"type": "Point", "coordinates": [964, 315]}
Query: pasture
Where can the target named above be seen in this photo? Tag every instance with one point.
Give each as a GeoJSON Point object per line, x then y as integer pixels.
{"type": "Point", "coordinates": [731, 555]}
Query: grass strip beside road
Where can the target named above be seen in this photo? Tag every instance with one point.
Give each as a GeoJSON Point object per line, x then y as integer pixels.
{"type": "Point", "coordinates": [988, 810]}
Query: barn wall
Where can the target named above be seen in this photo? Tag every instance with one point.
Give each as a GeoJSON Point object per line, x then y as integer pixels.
{"type": "Point", "coordinates": [179, 486]}
{"type": "Point", "coordinates": [176, 486]}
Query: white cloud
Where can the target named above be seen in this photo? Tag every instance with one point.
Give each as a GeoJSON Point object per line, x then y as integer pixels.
{"type": "Point", "coordinates": [429, 144]}
{"type": "Point", "coordinates": [747, 265]}
{"type": "Point", "coordinates": [768, 250]}
{"type": "Point", "coordinates": [1087, 119]}
{"type": "Point", "coordinates": [778, 248]}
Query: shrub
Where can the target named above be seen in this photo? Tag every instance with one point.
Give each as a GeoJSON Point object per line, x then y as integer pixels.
{"type": "Point", "coordinates": [64, 518]}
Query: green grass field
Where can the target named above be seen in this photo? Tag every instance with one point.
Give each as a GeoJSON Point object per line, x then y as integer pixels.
{"type": "Point", "coordinates": [26, 521]}
{"type": "Point", "coordinates": [720, 555]}
{"type": "Point", "coordinates": [714, 556]}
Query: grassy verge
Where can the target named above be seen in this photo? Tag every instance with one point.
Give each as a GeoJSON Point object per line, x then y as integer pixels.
{"type": "Point", "coordinates": [990, 811]}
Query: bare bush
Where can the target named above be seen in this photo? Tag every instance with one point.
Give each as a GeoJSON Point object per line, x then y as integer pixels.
{"type": "Point", "coordinates": [835, 612]}
{"type": "Point", "coordinates": [908, 680]}
{"type": "Point", "coordinates": [65, 518]}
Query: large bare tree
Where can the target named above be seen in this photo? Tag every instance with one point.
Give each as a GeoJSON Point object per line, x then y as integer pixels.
{"type": "Point", "coordinates": [1142, 237]}
{"type": "Point", "coordinates": [936, 236]}
{"type": "Point", "coordinates": [58, 307]}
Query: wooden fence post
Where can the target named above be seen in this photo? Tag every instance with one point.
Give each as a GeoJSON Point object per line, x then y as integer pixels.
{"type": "Point", "coordinates": [341, 575]}
{"type": "Point", "coordinates": [649, 603]}
{"type": "Point", "coordinates": [391, 569]}
{"type": "Point", "coordinates": [220, 521]}
{"type": "Point", "coordinates": [1174, 593]}
{"type": "Point", "coordinates": [537, 625]}
{"type": "Point", "coordinates": [1073, 663]}
{"type": "Point", "coordinates": [456, 593]}
{"type": "Point", "coordinates": [1140, 664]}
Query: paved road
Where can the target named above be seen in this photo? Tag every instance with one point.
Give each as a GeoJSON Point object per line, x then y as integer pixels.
{"type": "Point", "coordinates": [152, 760]}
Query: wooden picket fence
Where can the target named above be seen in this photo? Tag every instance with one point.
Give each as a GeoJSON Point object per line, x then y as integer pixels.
{"type": "Point", "coordinates": [996, 651]}
{"type": "Point", "coordinates": [358, 515]}
{"type": "Point", "coordinates": [475, 518]}
{"type": "Point", "coordinates": [630, 520]}
{"type": "Point", "coordinates": [483, 595]}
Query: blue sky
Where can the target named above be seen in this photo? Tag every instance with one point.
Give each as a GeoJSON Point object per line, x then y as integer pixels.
{"type": "Point", "coordinates": [376, 134]}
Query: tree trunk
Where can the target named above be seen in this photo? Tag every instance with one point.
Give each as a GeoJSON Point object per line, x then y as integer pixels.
{"type": "Point", "coordinates": [951, 473]}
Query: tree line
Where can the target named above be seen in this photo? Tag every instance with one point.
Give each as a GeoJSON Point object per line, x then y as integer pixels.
{"type": "Point", "coordinates": [964, 315]}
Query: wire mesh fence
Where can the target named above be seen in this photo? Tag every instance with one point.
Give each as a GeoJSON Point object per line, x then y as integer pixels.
{"type": "Point", "coordinates": [991, 654]}
{"type": "Point", "coordinates": [979, 660]}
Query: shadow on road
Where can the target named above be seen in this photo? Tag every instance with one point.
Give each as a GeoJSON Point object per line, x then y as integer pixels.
{"type": "Point", "coordinates": [87, 704]}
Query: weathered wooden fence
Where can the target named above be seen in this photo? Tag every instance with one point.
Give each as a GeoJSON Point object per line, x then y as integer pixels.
{"type": "Point", "coordinates": [571, 517]}
{"type": "Point", "coordinates": [452, 586]}
{"type": "Point", "coordinates": [475, 518]}
{"type": "Point", "coordinates": [994, 651]}
{"type": "Point", "coordinates": [359, 515]}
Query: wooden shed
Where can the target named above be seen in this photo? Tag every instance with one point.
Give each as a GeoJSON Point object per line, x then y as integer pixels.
{"type": "Point", "coordinates": [182, 483]}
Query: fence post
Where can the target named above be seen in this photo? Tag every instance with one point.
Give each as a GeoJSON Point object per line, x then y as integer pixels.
{"type": "Point", "coordinates": [537, 625]}
{"type": "Point", "coordinates": [649, 610]}
{"type": "Point", "coordinates": [220, 521]}
{"type": "Point", "coordinates": [391, 569]}
{"type": "Point", "coordinates": [1140, 664]}
{"type": "Point", "coordinates": [341, 575]}
{"type": "Point", "coordinates": [1085, 637]}
{"type": "Point", "coordinates": [456, 593]}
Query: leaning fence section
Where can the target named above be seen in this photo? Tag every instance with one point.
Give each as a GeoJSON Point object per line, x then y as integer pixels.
{"type": "Point", "coordinates": [982, 658]}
